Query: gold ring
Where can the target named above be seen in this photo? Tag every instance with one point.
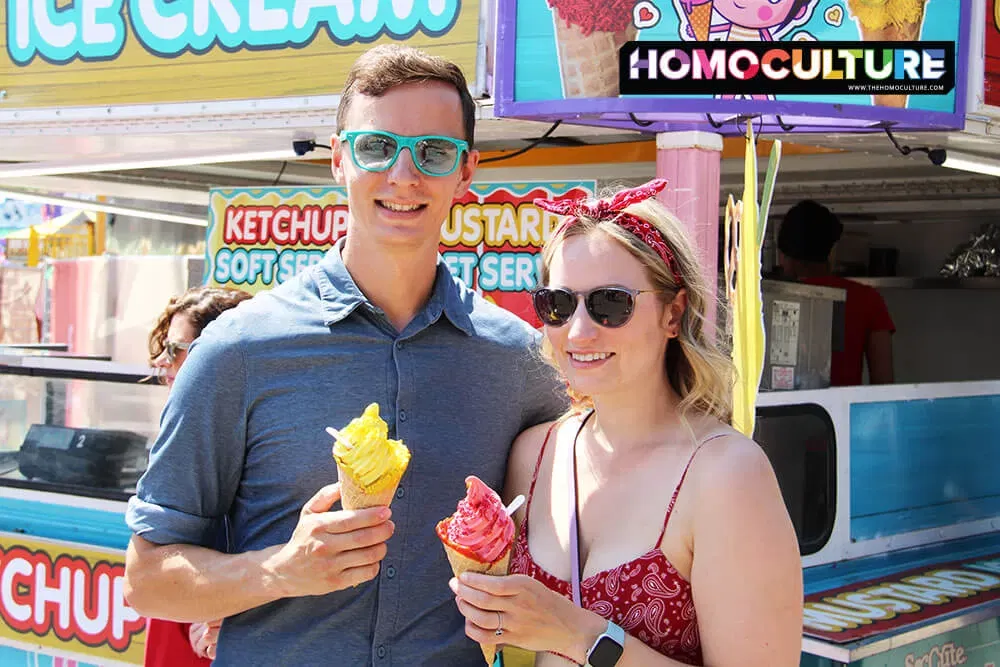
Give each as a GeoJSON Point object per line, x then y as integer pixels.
{"type": "Point", "coordinates": [499, 630]}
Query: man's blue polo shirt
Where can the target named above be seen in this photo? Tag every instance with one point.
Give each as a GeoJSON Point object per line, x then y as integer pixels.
{"type": "Point", "coordinates": [242, 435]}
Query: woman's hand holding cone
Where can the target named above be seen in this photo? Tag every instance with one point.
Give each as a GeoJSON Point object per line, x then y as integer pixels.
{"type": "Point", "coordinates": [534, 618]}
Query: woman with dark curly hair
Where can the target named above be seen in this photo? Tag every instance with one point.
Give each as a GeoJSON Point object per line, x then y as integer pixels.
{"type": "Point", "coordinates": [182, 321]}
{"type": "Point", "coordinates": [170, 644]}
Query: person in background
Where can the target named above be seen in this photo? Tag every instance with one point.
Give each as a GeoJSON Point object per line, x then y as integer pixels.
{"type": "Point", "coordinates": [170, 644]}
{"type": "Point", "coordinates": [805, 240]}
{"type": "Point", "coordinates": [686, 553]}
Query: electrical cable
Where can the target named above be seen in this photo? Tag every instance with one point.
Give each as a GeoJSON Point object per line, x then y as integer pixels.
{"type": "Point", "coordinates": [280, 172]}
{"type": "Point", "coordinates": [527, 148]}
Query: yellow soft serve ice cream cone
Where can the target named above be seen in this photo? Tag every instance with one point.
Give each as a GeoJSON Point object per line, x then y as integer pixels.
{"type": "Point", "coordinates": [369, 464]}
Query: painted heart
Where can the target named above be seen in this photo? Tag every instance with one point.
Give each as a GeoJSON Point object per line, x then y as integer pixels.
{"type": "Point", "coordinates": [834, 15]}
{"type": "Point", "coordinates": [645, 15]}
{"type": "Point", "coordinates": [803, 36]}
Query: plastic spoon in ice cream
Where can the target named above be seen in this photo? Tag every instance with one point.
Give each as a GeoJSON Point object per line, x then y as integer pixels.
{"type": "Point", "coordinates": [514, 505]}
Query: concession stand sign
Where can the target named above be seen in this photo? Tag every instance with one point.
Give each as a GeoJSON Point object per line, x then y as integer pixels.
{"type": "Point", "coordinates": [791, 65]}
{"type": "Point", "coordinates": [877, 606]}
{"type": "Point", "coordinates": [258, 238]}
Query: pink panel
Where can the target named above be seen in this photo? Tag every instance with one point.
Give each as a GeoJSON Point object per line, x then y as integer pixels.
{"type": "Point", "coordinates": [693, 196]}
{"type": "Point", "coordinates": [64, 303]}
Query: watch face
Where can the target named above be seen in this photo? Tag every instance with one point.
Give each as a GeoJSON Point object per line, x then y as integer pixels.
{"type": "Point", "coordinates": [606, 653]}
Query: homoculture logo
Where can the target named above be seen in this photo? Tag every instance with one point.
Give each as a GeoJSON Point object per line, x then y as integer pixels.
{"type": "Point", "coordinates": [770, 68]}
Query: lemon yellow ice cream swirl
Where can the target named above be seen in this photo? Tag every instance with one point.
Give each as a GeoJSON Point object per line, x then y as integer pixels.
{"type": "Point", "coordinates": [365, 452]}
{"type": "Point", "coordinates": [877, 14]}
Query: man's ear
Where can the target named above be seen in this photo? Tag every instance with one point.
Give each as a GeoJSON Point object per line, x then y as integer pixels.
{"type": "Point", "coordinates": [802, 11]}
{"type": "Point", "coordinates": [673, 314]}
{"type": "Point", "coordinates": [468, 171]}
{"type": "Point", "coordinates": [337, 160]}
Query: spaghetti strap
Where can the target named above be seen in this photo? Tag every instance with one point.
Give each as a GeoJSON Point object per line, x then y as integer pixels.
{"type": "Point", "coordinates": [673, 498]}
{"type": "Point", "coordinates": [538, 466]}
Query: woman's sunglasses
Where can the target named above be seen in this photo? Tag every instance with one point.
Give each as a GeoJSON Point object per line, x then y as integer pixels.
{"type": "Point", "coordinates": [172, 348]}
{"type": "Point", "coordinates": [375, 150]}
{"type": "Point", "coordinates": [610, 307]}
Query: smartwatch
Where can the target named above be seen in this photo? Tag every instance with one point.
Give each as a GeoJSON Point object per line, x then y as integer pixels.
{"type": "Point", "coordinates": [608, 648]}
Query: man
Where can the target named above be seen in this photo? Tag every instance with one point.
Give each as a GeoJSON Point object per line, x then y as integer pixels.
{"type": "Point", "coordinates": [807, 236]}
{"type": "Point", "coordinates": [379, 319]}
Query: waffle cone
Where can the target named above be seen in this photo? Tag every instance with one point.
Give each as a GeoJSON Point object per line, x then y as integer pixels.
{"type": "Point", "coordinates": [461, 563]}
{"type": "Point", "coordinates": [353, 497]}
{"type": "Point", "coordinates": [700, 19]}
{"type": "Point", "coordinates": [589, 63]}
{"type": "Point", "coordinates": [905, 32]}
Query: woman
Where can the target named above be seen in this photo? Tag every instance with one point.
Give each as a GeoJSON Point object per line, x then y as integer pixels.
{"type": "Point", "coordinates": [170, 644]}
{"type": "Point", "coordinates": [182, 321]}
{"type": "Point", "coordinates": [684, 549]}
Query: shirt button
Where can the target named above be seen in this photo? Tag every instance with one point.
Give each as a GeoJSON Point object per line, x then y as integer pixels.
{"type": "Point", "coordinates": [400, 493]}
{"type": "Point", "coordinates": [390, 572]}
{"type": "Point", "coordinates": [380, 651]}
{"type": "Point", "coordinates": [402, 415]}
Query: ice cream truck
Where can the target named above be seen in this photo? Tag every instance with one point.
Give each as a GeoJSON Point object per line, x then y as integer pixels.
{"type": "Point", "coordinates": [893, 489]}
{"type": "Point", "coordinates": [129, 110]}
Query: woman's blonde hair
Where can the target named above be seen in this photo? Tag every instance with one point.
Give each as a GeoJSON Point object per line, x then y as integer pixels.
{"type": "Point", "coordinates": [700, 373]}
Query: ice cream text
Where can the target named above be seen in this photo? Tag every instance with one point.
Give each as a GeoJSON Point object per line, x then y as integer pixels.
{"type": "Point", "coordinates": [93, 30]}
{"type": "Point", "coordinates": [772, 68]}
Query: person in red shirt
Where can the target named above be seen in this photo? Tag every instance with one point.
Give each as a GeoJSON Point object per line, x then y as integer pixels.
{"type": "Point", "coordinates": [807, 236]}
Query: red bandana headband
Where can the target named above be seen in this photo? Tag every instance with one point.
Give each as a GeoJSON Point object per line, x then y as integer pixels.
{"type": "Point", "coordinates": [613, 210]}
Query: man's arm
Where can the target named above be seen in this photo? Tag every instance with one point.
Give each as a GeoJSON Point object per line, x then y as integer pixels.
{"type": "Point", "coordinates": [878, 352]}
{"type": "Point", "coordinates": [194, 471]}
{"type": "Point", "coordinates": [187, 583]}
{"type": "Point", "coordinates": [329, 551]}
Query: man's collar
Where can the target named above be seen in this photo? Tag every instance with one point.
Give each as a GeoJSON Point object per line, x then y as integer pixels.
{"type": "Point", "coordinates": [341, 295]}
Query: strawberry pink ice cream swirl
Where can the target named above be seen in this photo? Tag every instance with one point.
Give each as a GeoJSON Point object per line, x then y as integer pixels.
{"type": "Point", "coordinates": [480, 525]}
{"type": "Point", "coordinates": [591, 15]}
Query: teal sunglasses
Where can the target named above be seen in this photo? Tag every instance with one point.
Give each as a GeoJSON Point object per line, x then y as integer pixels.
{"type": "Point", "coordinates": [376, 150]}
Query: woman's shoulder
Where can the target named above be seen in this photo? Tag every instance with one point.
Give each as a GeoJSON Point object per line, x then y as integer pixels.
{"type": "Point", "coordinates": [733, 483]}
{"type": "Point", "coordinates": [727, 459]}
{"type": "Point", "coordinates": [525, 452]}
{"type": "Point", "coordinates": [528, 445]}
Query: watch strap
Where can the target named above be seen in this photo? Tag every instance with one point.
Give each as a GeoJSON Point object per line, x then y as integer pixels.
{"type": "Point", "coordinates": [614, 632]}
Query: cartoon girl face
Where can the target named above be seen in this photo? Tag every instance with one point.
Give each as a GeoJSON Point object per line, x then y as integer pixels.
{"type": "Point", "coordinates": [755, 13]}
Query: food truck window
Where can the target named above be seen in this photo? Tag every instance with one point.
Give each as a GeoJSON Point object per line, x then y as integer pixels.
{"type": "Point", "coordinates": [79, 433]}
{"type": "Point", "coordinates": [801, 444]}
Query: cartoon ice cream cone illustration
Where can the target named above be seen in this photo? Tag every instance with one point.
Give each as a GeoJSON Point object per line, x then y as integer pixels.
{"type": "Point", "coordinates": [589, 34]}
{"type": "Point", "coordinates": [699, 16]}
{"type": "Point", "coordinates": [889, 21]}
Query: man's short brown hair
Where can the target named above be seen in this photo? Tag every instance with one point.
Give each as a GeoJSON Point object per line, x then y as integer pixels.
{"type": "Point", "coordinates": [385, 67]}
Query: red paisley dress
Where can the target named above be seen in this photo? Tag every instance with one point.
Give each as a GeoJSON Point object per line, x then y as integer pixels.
{"type": "Point", "coordinates": [646, 596]}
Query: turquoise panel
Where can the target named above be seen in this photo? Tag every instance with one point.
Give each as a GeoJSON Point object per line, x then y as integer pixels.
{"type": "Point", "coordinates": [816, 661]}
{"type": "Point", "coordinates": [58, 522]}
{"type": "Point", "coordinates": [971, 646]}
{"type": "Point", "coordinates": [15, 657]}
{"type": "Point", "coordinates": [923, 464]}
